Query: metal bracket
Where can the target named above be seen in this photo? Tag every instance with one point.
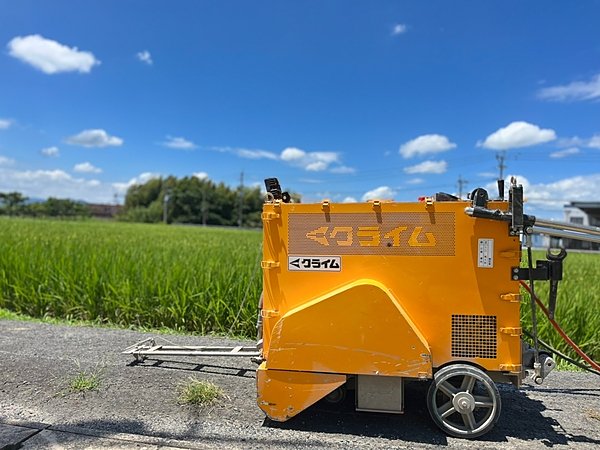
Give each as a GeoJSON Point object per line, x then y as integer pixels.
{"type": "Point", "coordinates": [269, 264]}
{"type": "Point", "coordinates": [513, 331]}
{"type": "Point", "coordinates": [511, 298]}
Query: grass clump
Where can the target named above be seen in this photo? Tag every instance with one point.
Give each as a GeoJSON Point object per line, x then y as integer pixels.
{"type": "Point", "coordinates": [199, 392]}
{"type": "Point", "coordinates": [84, 382]}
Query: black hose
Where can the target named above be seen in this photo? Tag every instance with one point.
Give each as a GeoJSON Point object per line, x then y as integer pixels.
{"type": "Point", "coordinates": [536, 347]}
{"type": "Point", "coordinates": [562, 355]}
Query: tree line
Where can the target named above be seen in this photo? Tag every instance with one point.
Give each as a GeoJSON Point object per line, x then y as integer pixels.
{"type": "Point", "coordinates": [188, 200]}
{"type": "Point", "coordinates": [16, 204]}
{"type": "Point", "coordinates": [193, 200]}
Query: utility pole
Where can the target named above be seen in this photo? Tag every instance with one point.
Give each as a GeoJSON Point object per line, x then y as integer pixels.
{"type": "Point", "coordinates": [501, 157]}
{"type": "Point", "coordinates": [241, 200]}
{"type": "Point", "coordinates": [461, 183]}
{"type": "Point", "coordinates": [203, 207]}
{"type": "Point", "coordinates": [115, 206]}
{"type": "Point", "coordinates": [165, 207]}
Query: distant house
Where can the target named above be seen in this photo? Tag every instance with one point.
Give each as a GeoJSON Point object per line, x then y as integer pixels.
{"type": "Point", "coordinates": [582, 213]}
{"type": "Point", "coordinates": [102, 211]}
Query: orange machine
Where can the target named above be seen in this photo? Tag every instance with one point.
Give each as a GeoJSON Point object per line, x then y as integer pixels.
{"type": "Point", "coordinates": [368, 295]}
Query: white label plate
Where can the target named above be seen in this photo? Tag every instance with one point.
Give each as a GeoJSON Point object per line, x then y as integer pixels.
{"type": "Point", "coordinates": [485, 257]}
{"type": "Point", "coordinates": [314, 263]}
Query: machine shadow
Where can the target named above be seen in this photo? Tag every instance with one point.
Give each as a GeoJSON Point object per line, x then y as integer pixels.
{"type": "Point", "coordinates": [139, 433]}
{"type": "Point", "coordinates": [521, 418]}
{"type": "Point", "coordinates": [195, 367]}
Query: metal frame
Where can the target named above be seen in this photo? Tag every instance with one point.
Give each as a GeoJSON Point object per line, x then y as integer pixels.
{"type": "Point", "coordinates": [148, 347]}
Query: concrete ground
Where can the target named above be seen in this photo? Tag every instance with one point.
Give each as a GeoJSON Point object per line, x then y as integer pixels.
{"type": "Point", "coordinates": [135, 405]}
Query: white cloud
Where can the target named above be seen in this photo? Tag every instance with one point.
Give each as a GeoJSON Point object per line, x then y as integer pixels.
{"type": "Point", "coordinates": [343, 170]}
{"type": "Point", "coordinates": [254, 154]}
{"type": "Point", "coordinates": [564, 153]}
{"type": "Point", "coordinates": [54, 183]}
{"type": "Point", "coordinates": [86, 167]}
{"type": "Point", "coordinates": [179, 143]}
{"type": "Point", "coordinates": [142, 178]}
{"type": "Point", "coordinates": [594, 141]}
{"type": "Point", "coordinates": [4, 161]}
{"type": "Point", "coordinates": [415, 181]}
{"type": "Point", "coordinates": [399, 28]}
{"type": "Point", "coordinates": [426, 144]}
{"type": "Point", "coordinates": [5, 124]}
{"type": "Point", "coordinates": [247, 153]}
{"type": "Point", "coordinates": [292, 154]}
{"type": "Point", "coordinates": [94, 138]}
{"type": "Point", "coordinates": [428, 167]}
{"type": "Point", "coordinates": [145, 57]}
{"type": "Point", "coordinates": [310, 180]}
{"type": "Point", "coordinates": [576, 141]}
{"type": "Point", "coordinates": [577, 90]}
{"type": "Point", "coordinates": [349, 200]}
{"type": "Point", "coordinates": [516, 135]}
{"type": "Point", "coordinates": [50, 56]}
{"type": "Point", "coordinates": [553, 196]}
{"type": "Point", "coordinates": [50, 151]}
{"type": "Point", "coordinates": [380, 193]}
{"type": "Point", "coordinates": [310, 161]}
{"type": "Point", "coordinates": [200, 175]}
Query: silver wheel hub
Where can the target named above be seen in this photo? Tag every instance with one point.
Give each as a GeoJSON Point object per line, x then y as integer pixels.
{"type": "Point", "coordinates": [463, 402]}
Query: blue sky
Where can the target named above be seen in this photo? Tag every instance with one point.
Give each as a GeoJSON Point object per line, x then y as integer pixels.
{"type": "Point", "coordinates": [345, 100]}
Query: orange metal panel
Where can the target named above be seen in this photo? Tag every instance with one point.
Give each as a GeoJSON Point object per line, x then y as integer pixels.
{"type": "Point", "coordinates": [357, 329]}
{"type": "Point", "coordinates": [283, 394]}
{"type": "Point", "coordinates": [426, 256]}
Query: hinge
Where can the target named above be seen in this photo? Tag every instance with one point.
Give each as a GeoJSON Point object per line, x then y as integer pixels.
{"type": "Point", "coordinates": [269, 215]}
{"type": "Point", "coordinates": [512, 298]}
{"type": "Point", "coordinates": [269, 264]}
{"type": "Point", "coordinates": [511, 368]}
{"type": "Point", "coordinates": [513, 331]}
{"type": "Point", "coordinates": [266, 313]}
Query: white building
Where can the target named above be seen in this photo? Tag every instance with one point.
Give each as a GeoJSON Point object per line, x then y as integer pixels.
{"type": "Point", "coordinates": [582, 213]}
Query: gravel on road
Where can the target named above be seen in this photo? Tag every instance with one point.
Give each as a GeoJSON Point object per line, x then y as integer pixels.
{"type": "Point", "coordinates": [137, 402]}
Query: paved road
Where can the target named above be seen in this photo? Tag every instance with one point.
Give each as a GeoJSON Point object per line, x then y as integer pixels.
{"type": "Point", "coordinates": [135, 406]}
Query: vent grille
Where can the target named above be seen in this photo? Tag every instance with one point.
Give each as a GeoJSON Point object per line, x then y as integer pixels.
{"type": "Point", "coordinates": [474, 336]}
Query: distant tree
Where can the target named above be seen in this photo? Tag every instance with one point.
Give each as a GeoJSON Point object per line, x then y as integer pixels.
{"type": "Point", "coordinates": [144, 194]}
{"type": "Point", "coordinates": [13, 203]}
{"type": "Point", "coordinates": [56, 207]}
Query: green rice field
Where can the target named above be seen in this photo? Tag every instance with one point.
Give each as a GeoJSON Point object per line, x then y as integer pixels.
{"type": "Point", "coordinates": [196, 279]}
{"type": "Point", "coordinates": [186, 278]}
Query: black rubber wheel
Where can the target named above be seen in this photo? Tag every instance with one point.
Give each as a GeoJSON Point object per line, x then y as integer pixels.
{"type": "Point", "coordinates": [463, 401]}
{"type": "Point", "coordinates": [338, 395]}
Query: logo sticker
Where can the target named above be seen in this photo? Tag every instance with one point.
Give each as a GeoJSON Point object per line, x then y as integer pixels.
{"type": "Point", "coordinates": [385, 234]}
{"type": "Point", "coordinates": [314, 263]}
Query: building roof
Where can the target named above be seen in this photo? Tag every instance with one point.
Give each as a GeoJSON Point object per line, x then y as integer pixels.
{"type": "Point", "coordinates": [590, 208]}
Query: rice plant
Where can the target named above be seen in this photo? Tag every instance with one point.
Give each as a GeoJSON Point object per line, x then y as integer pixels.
{"type": "Point", "coordinates": [578, 305]}
{"type": "Point", "coordinates": [186, 278]}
